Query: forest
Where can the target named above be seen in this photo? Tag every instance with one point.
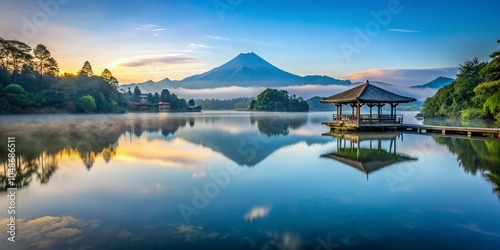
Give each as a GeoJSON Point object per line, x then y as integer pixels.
{"type": "Point", "coordinates": [474, 94]}
{"type": "Point", "coordinates": [30, 82]}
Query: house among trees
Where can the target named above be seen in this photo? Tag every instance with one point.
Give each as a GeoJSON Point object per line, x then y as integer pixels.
{"type": "Point", "coordinates": [163, 106]}
{"type": "Point", "coordinates": [143, 98]}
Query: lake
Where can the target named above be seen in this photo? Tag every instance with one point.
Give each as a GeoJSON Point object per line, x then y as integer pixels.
{"type": "Point", "coordinates": [242, 180]}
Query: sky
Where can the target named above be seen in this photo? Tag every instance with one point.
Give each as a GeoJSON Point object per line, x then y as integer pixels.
{"type": "Point", "coordinates": [405, 42]}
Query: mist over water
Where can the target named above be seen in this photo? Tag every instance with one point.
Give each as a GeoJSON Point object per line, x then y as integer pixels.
{"type": "Point", "coordinates": [246, 180]}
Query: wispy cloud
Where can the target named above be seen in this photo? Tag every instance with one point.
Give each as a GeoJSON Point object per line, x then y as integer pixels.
{"type": "Point", "coordinates": [199, 45]}
{"type": "Point", "coordinates": [159, 59]}
{"type": "Point", "coordinates": [220, 38]}
{"type": "Point", "coordinates": [152, 28]}
{"type": "Point", "coordinates": [404, 30]}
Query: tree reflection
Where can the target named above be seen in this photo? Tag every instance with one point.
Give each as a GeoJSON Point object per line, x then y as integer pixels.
{"type": "Point", "coordinates": [274, 125]}
{"type": "Point", "coordinates": [39, 146]}
{"type": "Point", "coordinates": [476, 156]}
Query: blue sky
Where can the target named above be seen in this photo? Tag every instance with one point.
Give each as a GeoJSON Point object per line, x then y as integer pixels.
{"type": "Point", "coordinates": [143, 40]}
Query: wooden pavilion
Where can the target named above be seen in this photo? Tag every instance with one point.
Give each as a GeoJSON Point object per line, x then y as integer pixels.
{"type": "Point", "coordinates": [370, 95]}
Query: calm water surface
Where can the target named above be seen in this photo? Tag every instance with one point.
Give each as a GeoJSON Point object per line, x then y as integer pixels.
{"type": "Point", "coordinates": [238, 180]}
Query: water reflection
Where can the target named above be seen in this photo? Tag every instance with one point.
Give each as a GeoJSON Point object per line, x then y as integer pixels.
{"type": "Point", "coordinates": [476, 156]}
{"type": "Point", "coordinates": [370, 157]}
{"type": "Point", "coordinates": [275, 125]}
{"type": "Point", "coordinates": [42, 142]}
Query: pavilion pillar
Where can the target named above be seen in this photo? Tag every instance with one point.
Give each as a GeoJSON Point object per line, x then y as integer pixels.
{"type": "Point", "coordinates": [380, 105]}
{"type": "Point", "coordinates": [371, 112]}
{"type": "Point", "coordinates": [358, 112]}
{"type": "Point", "coordinates": [393, 111]}
{"type": "Point", "coordinates": [337, 109]}
{"type": "Point", "coordinates": [341, 111]}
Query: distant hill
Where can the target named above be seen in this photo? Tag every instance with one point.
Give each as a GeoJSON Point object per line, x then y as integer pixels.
{"type": "Point", "coordinates": [377, 83]}
{"type": "Point", "coordinates": [436, 83]}
{"type": "Point", "coordinates": [245, 70]}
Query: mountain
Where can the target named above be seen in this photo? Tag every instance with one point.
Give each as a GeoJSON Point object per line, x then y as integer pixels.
{"type": "Point", "coordinates": [324, 80]}
{"type": "Point", "coordinates": [245, 70]}
{"type": "Point", "coordinates": [149, 86]}
{"type": "Point", "coordinates": [436, 83]}
{"type": "Point", "coordinates": [377, 83]}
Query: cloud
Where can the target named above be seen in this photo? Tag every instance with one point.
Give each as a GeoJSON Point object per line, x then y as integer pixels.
{"type": "Point", "coordinates": [257, 213]}
{"type": "Point", "coordinates": [404, 30]}
{"type": "Point", "coordinates": [159, 59]}
{"type": "Point", "coordinates": [403, 77]}
{"type": "Point", "coordinates": [199, 45]}
{"type": "Point", "coordinates": [219, 38]}
{"type": "Point", "coordinates": [304, 91]}
{"type": "Point", "coordinates": [153, 28]}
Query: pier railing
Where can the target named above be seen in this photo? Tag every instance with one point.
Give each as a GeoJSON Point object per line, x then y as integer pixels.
{"type": "Point", "coordinates": [398, 119]}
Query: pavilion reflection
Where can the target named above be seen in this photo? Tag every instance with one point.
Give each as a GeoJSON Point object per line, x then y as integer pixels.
{"type": "Point", "coordinates": [372, 155]}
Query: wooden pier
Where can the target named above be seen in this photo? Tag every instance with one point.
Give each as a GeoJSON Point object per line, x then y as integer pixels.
{"type": "Point", "coordinates": [443, 130]}
{"type": "Point", "coordinates": [446, 130]}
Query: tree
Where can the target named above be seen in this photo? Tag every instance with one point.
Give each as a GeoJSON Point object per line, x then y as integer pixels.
{"type": "Point", "coordinates": [137, 94]}
{"type": "Point", "coordinates": [165, 95]}
{"type": "Point", "coordinates": [18, 97]}
{"type": "Point", "coordinates": [108, 77]}
{"type": "Point", "coordinates": [452, 99]}
{"type": "Point", "coordinates": [86, 104]}
{"type": "Point", "coordinates": [44, 63]}
{"type": "Point", "coordinates": [15, 56]}
{"type": "Point", "coordinates": [86, 70]}
{"type": "Point", "coordinates": [278, 100]}
{"type": "Point", "coordinates": [191, 103]}
{"type": "Point", "coordinates": [492, 71]}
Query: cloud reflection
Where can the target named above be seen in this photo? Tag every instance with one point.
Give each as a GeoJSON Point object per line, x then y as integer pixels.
{"type": "Point", "coordinates": [257, 213]}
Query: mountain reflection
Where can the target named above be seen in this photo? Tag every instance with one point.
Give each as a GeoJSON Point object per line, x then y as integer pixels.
{"type": "Point", "coordinates": [476, 156]}
{"type": "Point", "coordinates": [41, 142]}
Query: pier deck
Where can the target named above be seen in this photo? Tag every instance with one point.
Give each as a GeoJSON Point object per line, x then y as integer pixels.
{"type": "Point", "coordinates": [444, 130]}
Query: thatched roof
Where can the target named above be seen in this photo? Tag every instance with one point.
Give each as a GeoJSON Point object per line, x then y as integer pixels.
{"type": "Point", "coordinates": [367, 93]}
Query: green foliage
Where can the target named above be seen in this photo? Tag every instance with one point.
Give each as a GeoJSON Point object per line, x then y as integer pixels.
{"type": "Point", "coordinates": [241, 103]}
{"type": "Point", "coordinates": [86, 104]}
{"type": "Point", "coordinates": [176, 103]}
{"type": "Point", "coordinates": [278, 100]}
{"type": "Point", "coordinates": [14, 98]}
{"type": "Point", "coordinates": [473, 113]}
{"type": "Point", "coordinates": [15, 89]}
{"type": "Point", "coordinates": [492, 104]}
{"type": "Point", "coordinates": [191, 102]}
{"type": "Point", "coordinates": [459, 95]}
